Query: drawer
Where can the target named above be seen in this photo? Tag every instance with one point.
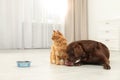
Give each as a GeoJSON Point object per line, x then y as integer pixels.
{"type": "Point", "coordinates": [114, 22]}
{"type": "Point", "coordinates": [111, 44]}
{"type": "Point", "coordinates": [112, 34]}
{"type": "Point", "coordinates": [108, 36]}
{"type": "Point", "coordinates": [111, 28]}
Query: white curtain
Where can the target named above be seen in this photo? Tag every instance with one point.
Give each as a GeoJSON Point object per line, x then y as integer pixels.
{"type": "Point", "coordinates": [10, 24]}
{"type": "Point", "coordinates": [19, 21]}
{"type": "Point", "coordinates": [76, 23]}
{"type": "Point", "coordinates": [47, 15]}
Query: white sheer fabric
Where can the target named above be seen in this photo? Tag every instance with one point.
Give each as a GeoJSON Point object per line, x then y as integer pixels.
{"type": "Point", "coordinates": [10, 24]}
{"type": "Point", "coordinates": [76, 20]}
{"type": "Point", "coordinates": [18, 20]}
{"type": "Point", "coordinates": [47, 15]}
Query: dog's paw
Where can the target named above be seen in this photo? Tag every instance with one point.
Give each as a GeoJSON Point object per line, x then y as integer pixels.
{"type": "Point", "coordinates": [77, 64]}
{"type": "Point", "coordinates": [107, 66]}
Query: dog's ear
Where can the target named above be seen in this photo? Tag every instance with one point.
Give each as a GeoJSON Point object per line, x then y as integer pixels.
{"type": "Point", "coordinates": [78, 50]}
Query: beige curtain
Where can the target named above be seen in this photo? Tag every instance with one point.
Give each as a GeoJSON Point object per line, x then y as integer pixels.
{"type": "Point", "coordinates": [76, 21]}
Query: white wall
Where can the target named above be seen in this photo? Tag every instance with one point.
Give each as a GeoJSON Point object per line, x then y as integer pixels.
{"type": "Point", "coordinates": [100, 10]}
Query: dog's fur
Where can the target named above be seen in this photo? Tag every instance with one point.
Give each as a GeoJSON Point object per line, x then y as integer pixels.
{"type": "Point", "coordinates": [88, 52]}
{"type": "Point", "coordinates": [58, 49]}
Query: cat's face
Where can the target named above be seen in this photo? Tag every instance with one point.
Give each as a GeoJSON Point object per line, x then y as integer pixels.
{"type": "Point", "coordinates": [56, 35]}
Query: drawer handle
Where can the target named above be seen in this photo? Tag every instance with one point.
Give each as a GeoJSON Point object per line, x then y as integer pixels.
{"type": "Point", "coordinates": [107, 23]}
{"type": "Point", "coordinates": [107, 31]}
{"type": "Point", "coordinates": [107, 40]}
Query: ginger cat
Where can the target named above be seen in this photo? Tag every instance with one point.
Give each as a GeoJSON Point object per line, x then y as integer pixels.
{"type": "Point", "coordinates": [58, 49]}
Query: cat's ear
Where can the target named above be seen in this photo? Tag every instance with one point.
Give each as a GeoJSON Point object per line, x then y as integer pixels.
{"type": "Point", "coordinates": [59, 32]}
{"type": "Point", "coordinates": [54, 31]}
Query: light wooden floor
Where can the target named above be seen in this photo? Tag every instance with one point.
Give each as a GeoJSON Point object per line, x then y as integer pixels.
{"type": "Point", "coordinates": [41, 69]}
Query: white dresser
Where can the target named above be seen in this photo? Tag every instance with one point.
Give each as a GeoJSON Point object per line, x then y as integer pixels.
{"type": "Point", "coordinates": [108, 32]}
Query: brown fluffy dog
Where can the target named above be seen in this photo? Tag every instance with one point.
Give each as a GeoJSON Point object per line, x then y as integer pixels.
{"type": "Point", "coordinates": [58, 49]}
{"type": "Point", "coordinates": [88, 52]}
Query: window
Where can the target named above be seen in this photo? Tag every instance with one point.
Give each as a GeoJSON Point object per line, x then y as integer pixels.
{"type": "Point", "coordinates": [49, 11]}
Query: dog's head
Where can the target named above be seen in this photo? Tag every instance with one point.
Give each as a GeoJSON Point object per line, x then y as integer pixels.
{"type": "Point", "coordinates": [74, 52]}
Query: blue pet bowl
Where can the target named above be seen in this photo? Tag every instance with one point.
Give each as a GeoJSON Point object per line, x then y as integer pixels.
{"type": "Point", "coordinates": [23, 64]}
